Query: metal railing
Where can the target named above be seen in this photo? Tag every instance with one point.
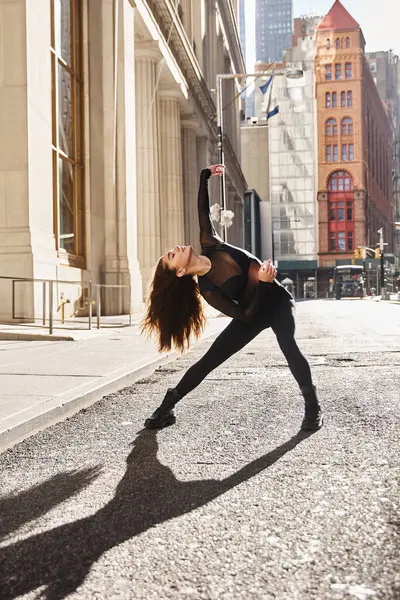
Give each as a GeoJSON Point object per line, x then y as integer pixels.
{"type": "Point", "coordinates": [48, 298]}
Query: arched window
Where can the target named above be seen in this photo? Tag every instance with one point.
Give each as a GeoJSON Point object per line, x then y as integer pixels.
{"type": "Point", "coordinates": [340, 181]}
{"type": "Point", "coordinates": [343, 99]}
{"type": "Point", "coordinates": [327, 100]}
{"type": "Point", "coordinates": [347, 126]}
{"type": "Point", "coordinates": [349, 99]}
{"type": "Point", "coordinates": [347, 42]}
{"type": "Point", "coordinates": [328, 44]}
{"type": "Point", "coordinates": [334, 99]}
{"type": "Point", "coordinates": [337, 43]}
{"type": "Point", "coordinates": [331, 127]}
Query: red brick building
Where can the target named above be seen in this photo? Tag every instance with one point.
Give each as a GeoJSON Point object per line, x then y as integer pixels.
{"type": "Point", "coordinates": [355, 196]}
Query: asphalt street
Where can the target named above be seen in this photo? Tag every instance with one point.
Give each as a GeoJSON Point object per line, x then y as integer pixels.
{"type": "Point", "coordinates": [232, 502]}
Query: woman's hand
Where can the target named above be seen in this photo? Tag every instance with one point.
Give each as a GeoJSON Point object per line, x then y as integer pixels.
{"type": "Point", "coordinates": [217, 170]}
{"type": "Point", "coordinates": [267, 272]}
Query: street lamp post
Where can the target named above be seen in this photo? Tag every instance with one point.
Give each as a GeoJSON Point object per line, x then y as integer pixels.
{"type": "Point", "coordinates": [289, 73]}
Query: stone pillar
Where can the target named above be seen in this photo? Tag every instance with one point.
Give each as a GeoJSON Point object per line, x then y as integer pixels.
{"type": "Point", "coordinates": [126, 163]}
{"type": "Point", "coordinates": [118, 155]}
{"type": "Point", "coordinates": [147, 156]}
{"type": "Point", "coordinates": [27, 245]}
{"type": "Point", "coordinates": [172, 212]}
{"type": "Point", "coordinates": [190, 182]}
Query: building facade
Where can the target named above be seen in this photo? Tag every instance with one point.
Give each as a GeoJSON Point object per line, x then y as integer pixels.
{"type": "Point", "coordinates": [293, 164]}
{"type": "Point", "coordinates": [384, 67]}
{"type": "Point", "coordinates": [274, 29]}
{"type": "Point", "coordinates": [355, 195]}
{"type": "Point", "coordinates": [107, 117]}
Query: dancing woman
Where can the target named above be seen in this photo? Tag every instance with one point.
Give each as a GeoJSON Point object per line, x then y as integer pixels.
{"type": "Point", "coordinates": [238, 285]}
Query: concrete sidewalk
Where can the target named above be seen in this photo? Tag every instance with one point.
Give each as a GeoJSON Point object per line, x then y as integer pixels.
{"type": "Point", "coordinates": [43, 381]}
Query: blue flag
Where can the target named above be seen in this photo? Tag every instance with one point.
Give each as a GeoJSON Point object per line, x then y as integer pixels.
{"type": "Point", "coordinates": [264, 88]}
{"type": "Point", "coordinates": [273, 112]}
{"type": "Point", "coordinates": [273, 106]}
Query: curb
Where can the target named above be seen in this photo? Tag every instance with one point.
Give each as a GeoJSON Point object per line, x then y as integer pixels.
{"type": "Point", "coordinates": [21, 426]}
{"type": "Point", "coordinates": [35, 337]}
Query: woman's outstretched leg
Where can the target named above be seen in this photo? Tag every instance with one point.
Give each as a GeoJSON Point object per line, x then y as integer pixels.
{"type": "Point", "coordinates": [232, 339]}
{"type": "Point", "coordinates": [283, 326]}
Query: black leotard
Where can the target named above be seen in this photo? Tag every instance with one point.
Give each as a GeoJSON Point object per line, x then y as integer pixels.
{"type": "Point", "coordinates": [232, 285]}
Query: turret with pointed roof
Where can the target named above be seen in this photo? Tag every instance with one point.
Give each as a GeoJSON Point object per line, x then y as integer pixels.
{"type": "Point", "coordinates": [338, 18]}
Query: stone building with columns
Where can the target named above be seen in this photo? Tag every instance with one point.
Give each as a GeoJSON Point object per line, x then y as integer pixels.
{"type": "Point", "coordinates": [107, 115]}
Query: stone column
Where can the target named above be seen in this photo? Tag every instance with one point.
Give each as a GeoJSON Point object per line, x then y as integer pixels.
{"type": "Point", "coordinates": [172, 212]}
{"type": "Point", "coordinates": [27, 245]}
{"type": "Point", "coordinates": [126, 163]}
{"type": "Point", "coordinates": [121, 266]}
{"type": "Point", "coordinates": [190, 182]}
{"type": "Point", "coordinates": [147, 156]}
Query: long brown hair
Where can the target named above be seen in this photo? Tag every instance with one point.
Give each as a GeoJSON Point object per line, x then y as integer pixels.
{"type": "Point", "coordinates": [174, 309]}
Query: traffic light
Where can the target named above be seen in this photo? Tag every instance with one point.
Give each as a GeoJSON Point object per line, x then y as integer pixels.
{"type": "Point", "coordinates": [356, 253]}
{"type": "Point", "coordinates": [378, 253]}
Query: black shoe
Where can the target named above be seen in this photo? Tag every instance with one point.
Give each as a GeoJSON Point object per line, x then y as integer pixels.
{"type": "Point", "coordinates": [313, 418]}
{"type": "Point", "coordinates": [164, 415]}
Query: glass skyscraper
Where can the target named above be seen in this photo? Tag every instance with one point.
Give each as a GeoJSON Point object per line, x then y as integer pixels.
{"type": "Point", "coordinates": [274, 29]}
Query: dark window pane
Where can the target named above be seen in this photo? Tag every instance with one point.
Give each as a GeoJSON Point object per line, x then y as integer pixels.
{"type": "Point", "coordinates": [337, 43]}
{"type": "Point", "coordinates": [78, 38]}
{"type": "Point", "coordinates": [350, 240]}
{"type": "Point", "coordinates": [328, 72]}
{"type": "Point", "coordinates": [343, 99]}
{"type": "Point", "coordinates": [328, 44]}
{"type": "Point", "coordinates": [349, 211]}
{"type": "Point", "coordinates": [351, 152]}
{"type": "Point", "coordinates": [63, 29]}
{"type": "Point", "coordinates": [348, 71]}
{"type": "Point", "coordinates": [340, 214]}
{"type": "Point", "coordinates": [327, 100]}
{"type": "Point", "coordinates": [65, 111]}
{"type": "Point", "coordinates": [344, 152]}
{"type": "Point", "coordinates": [66, 206]}
{"type": "Point", "coordinates": [347, 42]}
{"type": "Point", "coordinates": [349, 99]}
{"type": "Point", "coordinates": [334, 100]}
{"type": "Point", "coordinates": [331, 212]}
{"type": "Point", "coordinates": [78, 127]}
{"type": "Point", "coordinates": [332, 242]}
{"type": "Point", "coordinates": [338, 71]}
{"type": "Point", "coordinates": [329, 153]}
{"type": "Point", "coordinates": [335, 153]}
{"type": "Point", "coordinates": [80, 207]}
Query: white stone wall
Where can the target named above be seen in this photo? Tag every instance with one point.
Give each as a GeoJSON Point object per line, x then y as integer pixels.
{"type": "Point", "coordinates": [145, 142]}
{"type": "Point", "coordinates": [293, 174]}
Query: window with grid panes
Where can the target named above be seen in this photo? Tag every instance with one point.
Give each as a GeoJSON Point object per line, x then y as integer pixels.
{"type": "Point", "coordinates": [68, 159]}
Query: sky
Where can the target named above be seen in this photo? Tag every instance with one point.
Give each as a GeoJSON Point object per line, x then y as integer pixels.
{"type": "Point", "coordinates": [379, 19]}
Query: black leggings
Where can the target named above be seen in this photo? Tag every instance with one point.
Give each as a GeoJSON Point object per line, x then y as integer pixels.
{"type": "Point", "coordinates": [238, 334]}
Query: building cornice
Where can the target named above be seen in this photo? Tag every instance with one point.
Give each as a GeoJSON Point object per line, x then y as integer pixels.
{"type": "Point", "coordinates": [174, 38]}
{"type": "Point", "coordinates": [229, 24]}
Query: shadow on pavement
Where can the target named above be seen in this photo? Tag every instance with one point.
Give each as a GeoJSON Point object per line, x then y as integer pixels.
{"type": "Point", "coordinates": [148, 494]}
{"type": "Point", "coordinates": [18, 509]}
